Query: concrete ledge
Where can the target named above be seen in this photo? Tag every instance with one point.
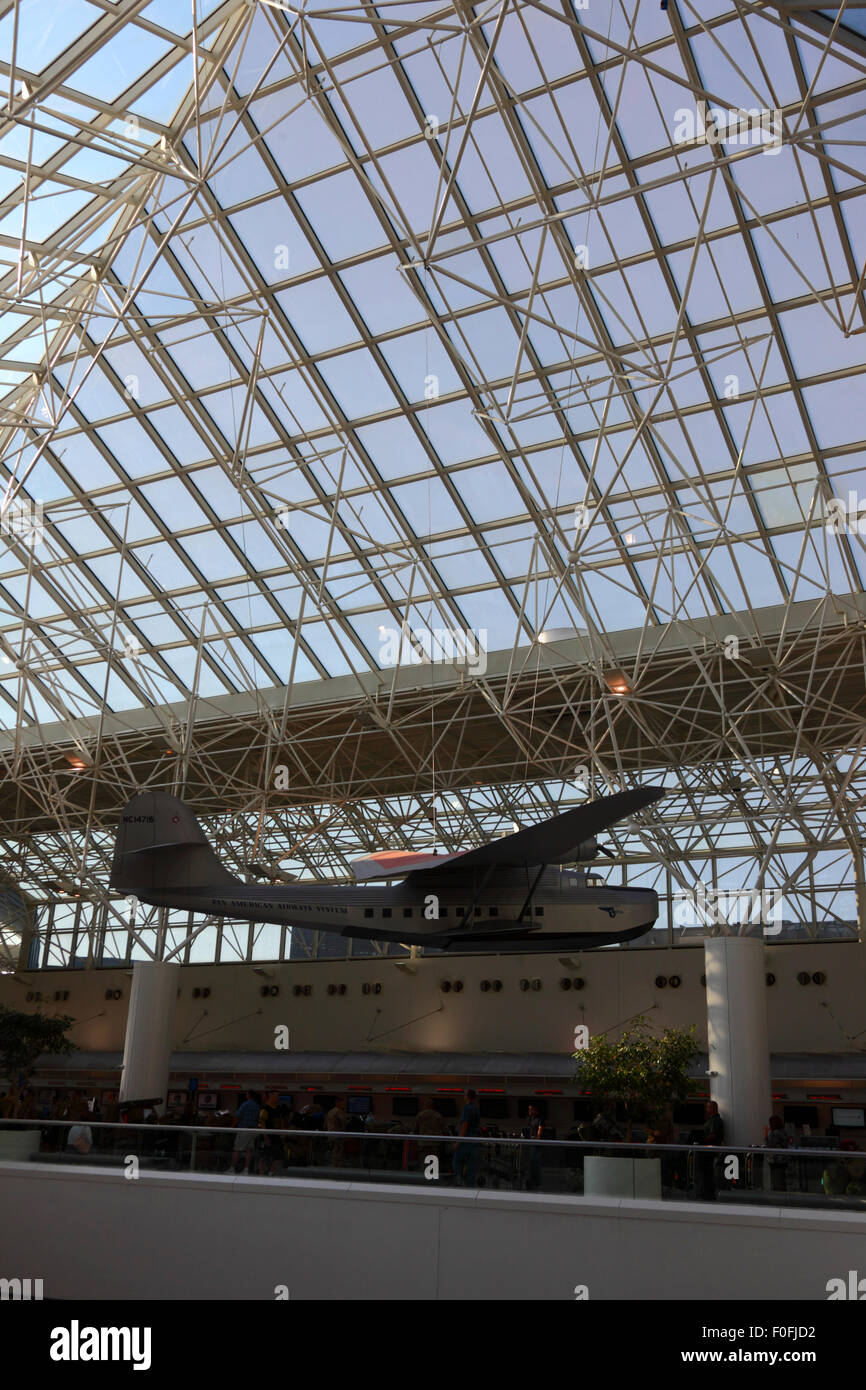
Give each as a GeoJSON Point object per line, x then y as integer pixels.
{"type": "Point", "coordinates": [94, 1234]}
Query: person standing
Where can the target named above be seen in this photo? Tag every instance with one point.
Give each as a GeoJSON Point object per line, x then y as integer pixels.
{"type": "Point", "coordinates": [270, 1145]}
{"type": "Point", "coordinates": [337, 1122]}
{"type": "Point", "coordinates": [776, 1138]}
{"type": "Point", "coordinates": [534, 1130]}
{"type": "Point", "coordinates": [465, 1163]}
{"type": "Point", "coordinates": [712, 1134]}
{"type": "Point", "coordinates": [247, 1118]}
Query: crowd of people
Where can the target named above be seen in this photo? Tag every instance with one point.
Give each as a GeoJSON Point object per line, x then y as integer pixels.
{"type": "Point", "coordinates": [270, 1137]}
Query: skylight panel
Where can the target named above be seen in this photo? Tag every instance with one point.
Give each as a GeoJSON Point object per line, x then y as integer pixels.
{"type": "Point", "coordinates": [44, 35]}
{"type": "Point", "coordinates": [817, 344]}
{"type": "Point", "coordinates": [762, 587]}
{"type": "Point", "coordinates": [408, 187]}
{"type": "Point", "coordinates": [274, 239]}
{"type": "Point", "coordinates": [488, 343]}
{"type": "Point", "coordinates": [785, 495]}
{"type": "Point", "coordinates": [491, 170]}
{"type": "Point", "coordinates": [200, 359]}
{"type": "Point", "coordinates": [645, 108]}
{"type": "Point", "coordinates": [394, 447]}
{"type": "Point", "coordinates": [162, 99]}
{"type": "Point", "coordinates": [459, 562]}
{"type": "Point", "coordinates": [119, 62]}
{"type": "Point", "coordinates": [133, 449]}
{"type": "Point", "coordinates": [324, 204]}
{"type": "Point", "coordinates": [774, 428]}
{"type": "Point", "coordinates": [183, 440]}
{"type": "Point", "coordinates": [511, 547]}
{"type": "Point", "coordinates": [322, 643]}
{"type": "Point", "coordinates": [137, 379]}
{"type": "Point", "coordinates": [612, 601]}
{"type": "Point", "coordinates": [297, 135]}
{"type": "Point", "coordinates": [317, 316]}
{"type": "Point", "coordinates": [453, 432]}
{"type": "Point", "coordinates": [382, 295]}
{"type": "Point", "coordinates": [772, 180]}
{"type": "Point", "coordinates": [722, 281]}
{"type": "Point", "coordinates": [488, 493]}
{"type": "Point", "coordinates": [738, 362]}
{"type": "Point", "coordinates": [380, 109]}
{"type": "Point", "coordinates": [421, 365]}
{"type": "Point", "coordinates": [242, 422]}
{"type": "Point", "coordinates": [428, 507]}
{"type": "Point", "coordinates": [678, 207]}
{"type": "Point", "coordinates": [294, 403]}
{"type": "Point", "coordinates": [118, 579]}
{"type": "Point", "coordinates": [815, 569]}
{"type": "Point", "coordinates": [490, 618]}
{"type": "Point", "coordinates": [357, 383]}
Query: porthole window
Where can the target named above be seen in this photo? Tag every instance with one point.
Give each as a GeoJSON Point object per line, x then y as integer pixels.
{"type": "Point", "coordinates": [661, 981]}
{"type": "Point", "coordinates": [565, 984]}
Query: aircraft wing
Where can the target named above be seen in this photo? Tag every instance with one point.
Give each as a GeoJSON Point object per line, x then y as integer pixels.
{"type": "Point", "coordinates": [555, 841]}
{"type": "Point", "coordinates": [394, 863]}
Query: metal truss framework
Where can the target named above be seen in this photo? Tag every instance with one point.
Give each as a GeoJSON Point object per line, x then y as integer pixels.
{"type": "Point", "coordinates": [324, 323]}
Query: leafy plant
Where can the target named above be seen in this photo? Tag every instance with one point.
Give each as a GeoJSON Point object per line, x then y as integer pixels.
{"type": "Point", "coordinates": [25, 1037]}
{"type": "Point", "coordinates": [645, 1071]}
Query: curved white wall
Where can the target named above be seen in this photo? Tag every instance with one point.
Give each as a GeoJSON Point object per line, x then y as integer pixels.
{"type": "Point", "coordinates": [89, 1234]}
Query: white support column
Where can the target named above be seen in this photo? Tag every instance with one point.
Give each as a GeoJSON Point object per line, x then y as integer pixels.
{"type": "Point", "coordinates": [739, 1049]}
{"type": "Point", "coordinates": [149, 1028]}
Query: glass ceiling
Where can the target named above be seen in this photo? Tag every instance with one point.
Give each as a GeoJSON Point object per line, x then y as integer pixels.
{"type": "Point", "coordinates": [320, 321]}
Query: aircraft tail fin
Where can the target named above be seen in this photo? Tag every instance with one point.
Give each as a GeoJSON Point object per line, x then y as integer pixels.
{"type": "Point", "coordinates": [160, 847]}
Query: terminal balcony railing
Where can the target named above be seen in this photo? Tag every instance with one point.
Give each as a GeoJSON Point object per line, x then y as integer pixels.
{"type": "Point", "coordinates": [812, 1177]}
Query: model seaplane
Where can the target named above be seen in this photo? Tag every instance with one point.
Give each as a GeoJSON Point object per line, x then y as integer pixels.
{"type": "Point", "coordinates": [508, 895]}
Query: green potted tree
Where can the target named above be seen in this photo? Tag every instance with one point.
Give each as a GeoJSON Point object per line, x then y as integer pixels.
{"type": "Point", "coordinates": [645, 1072]}
{"type": "Point", "coordinates": [23, 1039]}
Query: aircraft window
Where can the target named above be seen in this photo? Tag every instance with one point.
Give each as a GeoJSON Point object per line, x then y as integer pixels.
{"type": "Point", "coordinates": [407, 912]}
{"type": "Point", "coordinates": [368, 912]}
{"type": "Point", "coordinates": [386, 912]}
{"type": "Point", "coordinates": [539, 911]}
{"type": "Point", "coordinates": [494, 912]}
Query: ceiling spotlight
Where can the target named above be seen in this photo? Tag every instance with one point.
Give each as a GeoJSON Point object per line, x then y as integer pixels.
{"type": "Point", "coordinates": [617, 683]}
